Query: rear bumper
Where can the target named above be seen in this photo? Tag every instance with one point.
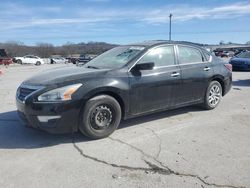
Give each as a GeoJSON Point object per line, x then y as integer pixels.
{"type": "Point", "coordinates": [52, 118]}
{"type": "Point", "coordinates": [240, 66]}
{"type": "Point", "coordinates": [227, 85]}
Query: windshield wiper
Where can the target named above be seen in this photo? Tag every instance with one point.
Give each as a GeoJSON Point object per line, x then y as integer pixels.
{"type": "Point", "coordinates": [92, 67]}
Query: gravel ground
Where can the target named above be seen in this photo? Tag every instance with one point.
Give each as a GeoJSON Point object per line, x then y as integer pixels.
{"type": "Point", "coordinates": [188, 147]}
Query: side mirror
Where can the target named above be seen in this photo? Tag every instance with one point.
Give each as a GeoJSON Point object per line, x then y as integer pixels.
{"type": "Point", "coordinates": [145, 66]}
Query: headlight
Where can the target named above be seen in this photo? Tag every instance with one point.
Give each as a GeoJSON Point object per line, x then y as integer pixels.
{"type": "Point", "coordinates": [59, 94]}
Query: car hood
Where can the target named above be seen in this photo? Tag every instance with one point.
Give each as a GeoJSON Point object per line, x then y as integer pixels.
{"type": "Point", "coordinates": [64, 75]}
{"type": "Point", "coordinates": [240, 60]}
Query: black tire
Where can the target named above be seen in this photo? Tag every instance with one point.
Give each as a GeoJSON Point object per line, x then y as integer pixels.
{"type": "Point", "coordinates": [213, 95]}
{"type": "Point", "coordinates": [38, 63]}
{"type": "Point", "coordinates": [100, 117]}
{"type": "Point", "coordinates": [19, 61]}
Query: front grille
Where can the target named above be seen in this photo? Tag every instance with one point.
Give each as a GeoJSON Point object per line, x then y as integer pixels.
{"type": "Point", "coordinates": [24, 92]}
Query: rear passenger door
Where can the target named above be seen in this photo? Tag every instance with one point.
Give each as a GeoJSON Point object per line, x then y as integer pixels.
{"type": "Point", "coordinates": [29, 59]}
{"type": "Point", "coordinates": [34, 59]}
{"type": "Point", "coordinates": [196, 72]}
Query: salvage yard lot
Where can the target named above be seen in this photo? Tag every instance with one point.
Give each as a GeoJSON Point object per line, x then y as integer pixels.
{"type": "Point", "coordinates": [188, 147]}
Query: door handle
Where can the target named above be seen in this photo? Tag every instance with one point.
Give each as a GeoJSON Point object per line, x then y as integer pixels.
{"type": "Point", "coordinates": [175, 74]}
{"type": "Point", "coordinates": [206, 68]}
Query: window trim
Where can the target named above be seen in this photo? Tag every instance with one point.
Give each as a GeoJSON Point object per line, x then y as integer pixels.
{"type": "Point", "coordinates": [158, 46]}
{"type": "Point", "coordinates": [202, 55]}
{"type": "Point", "coordinates": [210, 56]}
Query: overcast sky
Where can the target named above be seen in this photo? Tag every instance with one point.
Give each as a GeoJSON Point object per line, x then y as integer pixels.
{"type": "Point", "coordinates": [123, 21]}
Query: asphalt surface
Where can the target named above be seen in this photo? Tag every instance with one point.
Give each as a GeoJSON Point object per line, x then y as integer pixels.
{"type": "Point", "coordinates": [188, 147]}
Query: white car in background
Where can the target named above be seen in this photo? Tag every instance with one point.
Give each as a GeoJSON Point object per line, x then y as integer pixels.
{"type": "Point", "coordinates": [58, 60]}
{"type": "Point", "coordinates": [29, 59]}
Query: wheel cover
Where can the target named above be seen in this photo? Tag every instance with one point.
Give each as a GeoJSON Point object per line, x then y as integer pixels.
{"type": "Point", "coordinates": [214, 95]}
{"type": "Point", "coordinates": [101, 117]}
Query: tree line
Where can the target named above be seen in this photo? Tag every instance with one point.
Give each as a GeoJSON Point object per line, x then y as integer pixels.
{"type": "Point", "coordinates": [46, 50]}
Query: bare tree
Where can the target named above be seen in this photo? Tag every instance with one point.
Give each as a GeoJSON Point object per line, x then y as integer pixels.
{"type": "Point", "coordinates": [15, 48]}
{"type": "Point", "coordinates": [68, 49]}
{"type": "Point", "coordinates": [44, 50]}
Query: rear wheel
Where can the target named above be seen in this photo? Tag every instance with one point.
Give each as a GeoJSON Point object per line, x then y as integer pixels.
{"type": "Point", "coordinates": [38, 63]}
{"type": "Point", "coordinates": [101, 117]}
{"type": "Point", "coordinates": [213, 95]}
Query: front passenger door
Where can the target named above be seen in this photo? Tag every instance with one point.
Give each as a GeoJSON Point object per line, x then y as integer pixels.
{"type": "Point", "coordinates": [29, 59]}
{"type": "Point", "coordinates": [155, 89]}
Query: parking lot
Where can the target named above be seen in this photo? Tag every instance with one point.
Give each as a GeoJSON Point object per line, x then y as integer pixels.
{"type": "Point", "coordinates": [188, 147]}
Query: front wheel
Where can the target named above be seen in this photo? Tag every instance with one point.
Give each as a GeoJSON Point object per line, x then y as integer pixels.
{"type": "Point", "coordinates": [101, 117]}
{"type": "Point", "coordinates": [213, 95]}
{"type": "Point", "coordinates": [19, 61]}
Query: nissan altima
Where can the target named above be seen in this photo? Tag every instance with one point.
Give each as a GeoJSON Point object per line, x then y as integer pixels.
{"type": "Point", "coordinates": [122, 83]}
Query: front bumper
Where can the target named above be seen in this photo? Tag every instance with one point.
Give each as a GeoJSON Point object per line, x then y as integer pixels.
{"type": "Point", "coordinates": [50, 117]}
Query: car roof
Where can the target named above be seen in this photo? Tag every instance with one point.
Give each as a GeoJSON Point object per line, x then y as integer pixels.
{"type": "Point", "coordinates": [152, 43]}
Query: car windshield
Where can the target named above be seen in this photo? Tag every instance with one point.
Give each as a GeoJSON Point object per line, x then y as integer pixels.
{"type": "Point", "coordinates": [115, 58]}
{"type": "Point", "coordinates": [244, 55]}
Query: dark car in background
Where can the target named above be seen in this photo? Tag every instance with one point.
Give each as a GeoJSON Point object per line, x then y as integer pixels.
{"type": "Point", "coordinates": [122, 83]}
{"type": "Point", "coordinates": [218, 53]}
{"type": "Point", "coordinates": [241, 61]}
{"type": "Point", "coordinates": [224, 54]}
{"type": "Point", "coordinates": [80, 59]}
{"type": "Point", "coordinates": [4, 58]}
{"type": "Point", "coordinates": [72, 59]}
{"type": "Point", "coordinates": [83, 59]}
{"type": "Point", "coordinates": [227, 54]}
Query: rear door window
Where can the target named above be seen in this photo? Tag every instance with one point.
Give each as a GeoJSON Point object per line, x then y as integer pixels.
{"type": "Point", "coordinates": [207, 55]}
{"type": "Point", "coordinates": [188, 55]}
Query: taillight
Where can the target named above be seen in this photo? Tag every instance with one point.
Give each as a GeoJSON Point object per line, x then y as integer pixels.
{"type": "Point", "coordinates": [229, 67]}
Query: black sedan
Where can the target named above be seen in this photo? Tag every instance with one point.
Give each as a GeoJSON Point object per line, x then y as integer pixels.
{"type": "Point", "coordinates": [241, 61]}
{"type": "Point", "coordinates": [124, 82]}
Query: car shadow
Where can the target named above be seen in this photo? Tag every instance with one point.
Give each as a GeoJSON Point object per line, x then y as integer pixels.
{"type": "Point", "coordinates": [244, 83]}
{"type": "Point", "coordinates": [15, 135]}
